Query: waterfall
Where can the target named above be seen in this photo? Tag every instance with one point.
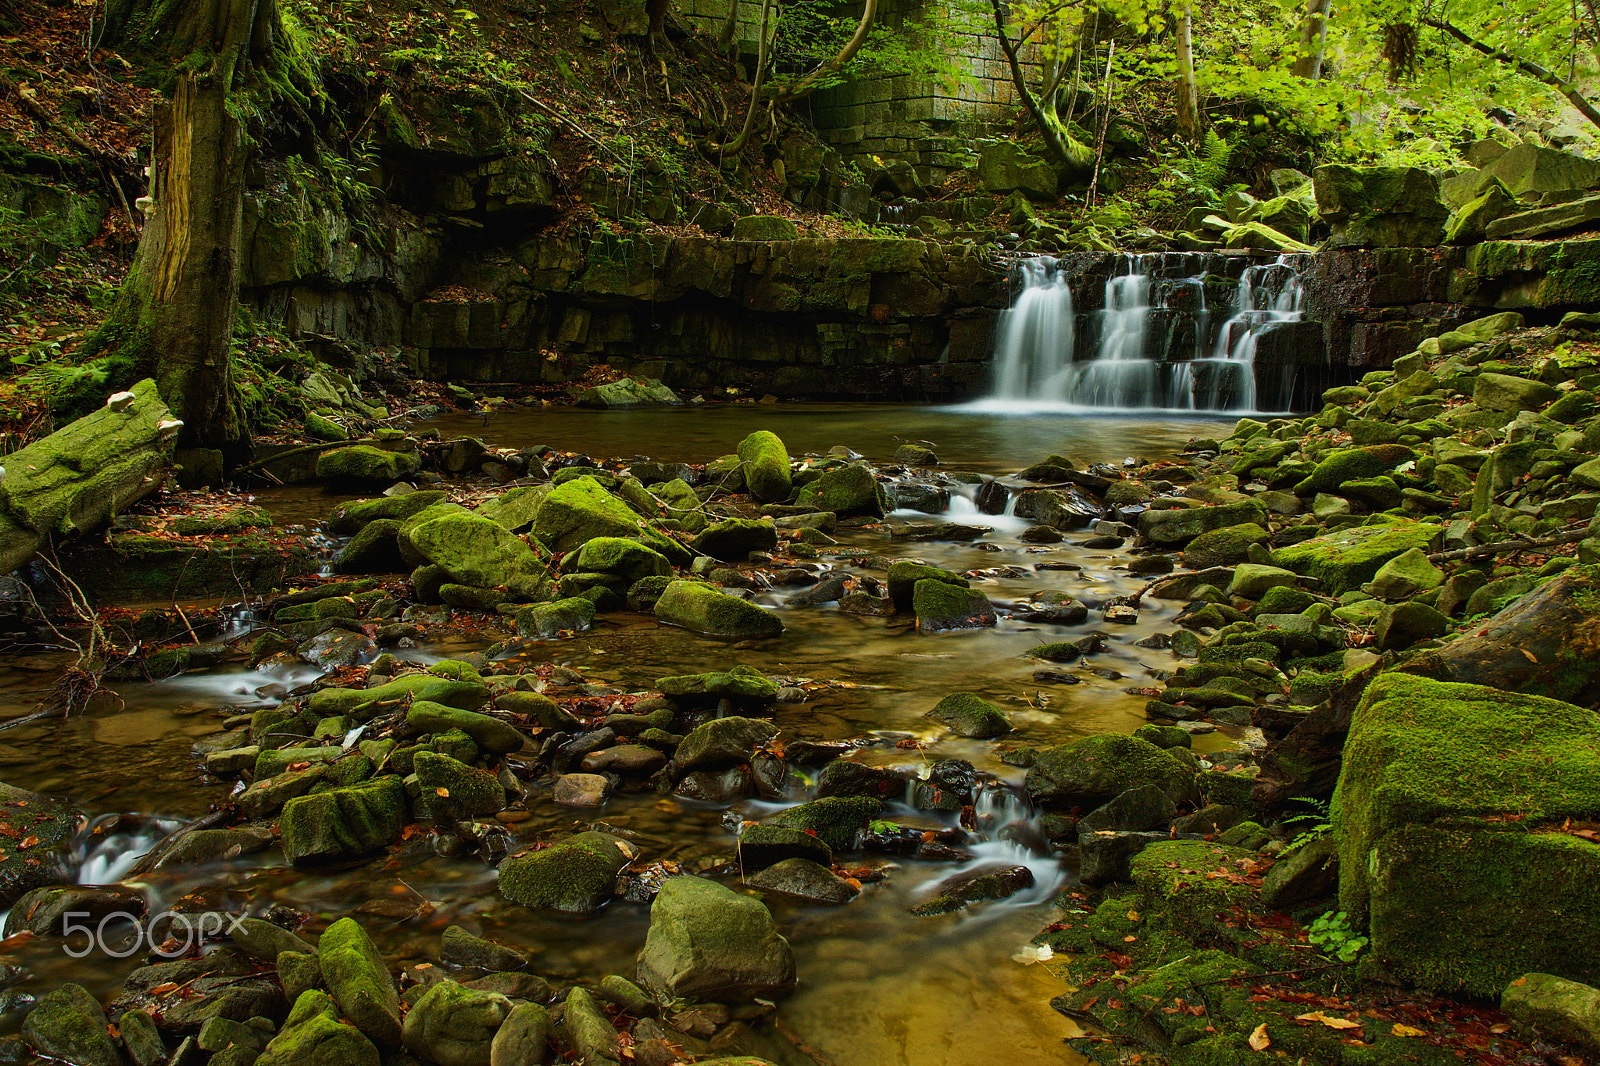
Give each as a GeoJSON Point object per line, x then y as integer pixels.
{"type": "Point", "coordinates": [1151, 345]}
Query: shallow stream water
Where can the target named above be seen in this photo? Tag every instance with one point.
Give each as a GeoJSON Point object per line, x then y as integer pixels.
{"type": "Point", "coordinates": [877, 985]}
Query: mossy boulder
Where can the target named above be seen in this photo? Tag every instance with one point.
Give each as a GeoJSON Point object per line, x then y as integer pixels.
{"type": "Point", "coordinates": [904, 575]}
{"type": "Point", "coordinates": [1096, 769]}
{"type": "Point", "coordinates": [940, 605]}
{"type": "Point", "coordinates": [363, 464]}
{"type": "Point", "coordinates": [766, 472]}
{"type": "Point", "coordinates": [580, 510]}
{"type": "Point", "coordinates": [313, 1035]}
{"type": "Point", "coordinates": [516, 508]}
{"type": "Point", "coordinates": [455, 791]}
{"type": "Point", "coordinates": [1442, 793]}
{"type": "Point", "coordinates": [969, 715]}
{"type": "Point", "coordinates": [547, 621]}
{"type": "Point", "coordinates": [359, 981]}
{"type": "Point", "coordinates": [1348, 559]}
{"type": "Point", "coordinates": [473, 550]}
{"type": "Point", "coordinates": [453, 1025]}
{"type": "Point", "coordinates": [577, 875]}
{"type": "Point", "coordinates": [1470, 224]}
{"type": "Point", "coordinates": [69, 1025]}
{"type": "Point", "coordinates": [628, 560]}
{"type": "Point", "coordinates": [741, 684]}
{"type": "Point", "coordinates": [1566, 1010]}
{"type": "Point", "coordinates": [733, 539]}
{"type": "Point", "coordinates": [420, 686]}
{"type": "Point", "coordinates": [1351, 464]}
{"type": "Point", "coordinates": [837, 821]}
{"type": "Point", "coordinates": [1380, 207]}
{"type": "Point", "coordinates": [1223, 547]}
{"type": "Point", "coordinates": [374, 550]}
{"type": "Point", "coordinates": [52, 823]}
{"type": "Point", "coordinates": [343, 823]}
{"type": "Point", "coordinates": [1508, 394]}
{"type": "Point", "coordinates": [848, 490]}
{"type": "Point", "coordinates": [350, 518]}
{"type": "Point", "coordinates": [1179, 525]}
{"type": "Point", "coordinates": [723, 742]}
{"type": "Point", "coordinates": [709, 942]}
{"type": "Point", "coordinates": [702, 609]}
{"type": "Point", "coordinates": [764, 228]}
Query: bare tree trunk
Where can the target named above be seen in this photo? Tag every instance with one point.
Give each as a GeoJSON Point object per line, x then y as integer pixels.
{"type": "Point", "coordinates": [1313, 32]}
{"type": "Point", "coordinates": [1188, 94]}
{"type": "Point", "coordinates": [174, 317]}
{"type": "Point", "coordinates": [730, 29]}
{"type": "Point", "coordinates": [1062, 145]}
{"type": "Point", "coordinates": [1574, 95]}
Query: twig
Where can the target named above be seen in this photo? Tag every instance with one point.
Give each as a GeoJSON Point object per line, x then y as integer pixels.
{"type": "Point", "coordinates": [1516, 544]}
{"type": "Point", "coordinates": [556, 114]}
{"type": "Point", "coordinates": [301, 451]}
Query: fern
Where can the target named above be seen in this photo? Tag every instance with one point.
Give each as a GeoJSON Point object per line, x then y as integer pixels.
{"type": "Point", "coordinates": [1210, 166]}
{"type": "Point", "coordinates": [1320, 820]}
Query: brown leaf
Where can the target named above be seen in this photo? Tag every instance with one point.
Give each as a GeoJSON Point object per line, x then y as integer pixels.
{"type": "Point", "coordinates": [1328, 1020]}
{"type": "Point", "coordinates": [27, 842]}
{"type": "Point", "coordinates": [1528, 654]}
{"type": "Point", "coordinates": [442, 791]}
{"type": "Point", "coordinates": [1259, 1041]}
{"type": "Point", "coordinates": [1401, 1029]}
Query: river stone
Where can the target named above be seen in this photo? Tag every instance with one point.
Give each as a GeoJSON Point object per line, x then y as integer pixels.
{"type": "Point", "coordinates": [142, 1039]}
{"type": "Point", "coordinates": [1252, 581]}
{"type": "Point", "coordinates": [343, 822]}
{"type": "Point", "coordinates": [547, 621]}
{"type": "Point", "coordinates": [359, 981]}
{"type": "Point", "coordinates": [53, 823]}
{"type": "Point", "coordinates": [733, 539]}
{"type": "Point", "coordinates": [723, 742]}
{"type": "Point", "coordinates": [627, 559]}
{"type": "Point", "coordinates": [846, 777]}
{"type": "Point", "coordinates": [1223, 547]}
{"type": "Point", "coordinates": [589, 1031]}
{"type": "Point", "coordinates": [1308, 873]}
{"type": "Point", "coordinates": [711, 943]}
{"type": "Point", "coordinates": [837, 821]}
{"type": "Point", "coordinates": [940, 605]}
{"type": "Point", "coordinates": [970, 715]}
{"type": "Point", "coordinates": [457, 947]}
{"type": "Point", "coordinates": [1556, 1007]}
{"type": "Point", "coordinates": [363, 464]}
{"type": "Point", "coordinates": [984, 883]}
{"type": "Point", "coordinates": [455, 791]}
{"type": "Point", "coordinates": [1096, 769]}
{"type": "Point", "coordinates": [473, 550]}
{"type": "Point", "coordinates": [1346, 560]}
{"type": "Point", "coordinates": [580, 510]}
{"type": "Point", "coordinates": [1138, 809]}
{"type": "Point", "coordinates": [361, 703]}
{"type": "Point", "coordinates": [702, 609]}
{"type": "Point", "coordinates": [1406, 575]}
{"type": "Point", "coordinates": [350, 518]}
{"type": "Point", "coordinates": [581, 790]}
{"type": "Point", "coordinates": [848, 490]}
{"type": "Point", "coordinates": [766, 471]}
{"type": "Point", "coordinates": [1380, 207]}
{"type": "Point", "coordinates": [805, 879]}
{"type": "Point", "coordinates": [523, 1038]}
{"type": "Point", "coordinates": [263, 941]}
{"type": "Point", "coordinates": [576, 875]}
{"type": "Point", "coordinates": [904, 575]}
{"type": "Point", "coordinates": [374, 550]}
{"type": "Point", "coordinates": [490, 734]}
{"type": "Point", "coordinates": [1508, 394]}
{"type": "Point", "coordinates": [453, 1026]}
{"type": "Point", "coordinates": [69, 1025]}
{"type": "Point", "coordinates": [1179, 525]}
{"type": "Point", "coordinates": [313, 1035]}
{"type": "Point", "coordinates": [742, 684]}
{"type": "Point", "coordinates": [1351, 464]}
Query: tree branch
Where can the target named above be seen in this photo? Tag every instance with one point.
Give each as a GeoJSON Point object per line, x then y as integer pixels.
{"type": "Point", "coordinates": [1526, 66]}
{"type": "Point", "coordinates": [1061, 144]}
{"type": "Point", "coordinates": [808, 84]}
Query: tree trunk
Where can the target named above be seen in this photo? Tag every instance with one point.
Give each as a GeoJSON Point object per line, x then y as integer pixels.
{"type": "Point", "coordinates": [1188, 95]}
{"type": "Point", "coordinates": [174, 317]}
{"type": "Point", "coordinates": [1068, 152]}
{"type": "Point", "coordinates": [1313, 32]}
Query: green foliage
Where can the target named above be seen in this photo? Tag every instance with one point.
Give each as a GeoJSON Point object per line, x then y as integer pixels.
{"type": "Point", "coordinates": [1318, 822]}
{"type": "Point", "coordinates": [1331, 934]}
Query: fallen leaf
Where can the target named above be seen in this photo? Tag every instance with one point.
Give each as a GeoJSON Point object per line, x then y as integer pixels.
{"type": "Point", "coordinates": [442, 792]}
{"type": "Point", "coordinates": [1328, 1020]}
{"type": "Point", "coordinates": [1259, 1041]}
{"type": "Point", "coordinates": [1528, 654]}
{"type": "Point", "coordinates": [1133, 916]}
{"type": "Point", "coordinates": [1519, 982]}
{"type": "Point", "coordinates": [1401, 1029]}
{"type": "Point", "coordinates": [27, 842]}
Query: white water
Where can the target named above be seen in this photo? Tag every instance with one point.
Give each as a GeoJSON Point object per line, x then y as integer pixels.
{"type": "Point", "coordinates": [108, 860]}
{"type": "Point", "coordinates": [1137, 364]}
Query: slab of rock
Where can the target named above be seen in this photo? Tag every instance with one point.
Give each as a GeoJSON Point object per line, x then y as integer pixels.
{"type": "Point", "coordinates": [709, 942]}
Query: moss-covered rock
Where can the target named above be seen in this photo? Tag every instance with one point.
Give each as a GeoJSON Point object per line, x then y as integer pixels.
{"type": "Point", "coordinates": [69, 1025]}
{"type": "Point", "coordinates": [733, 539]}
{"type": "Point", "coordinates": [766, 471]}
{"type": "Point", "coordinates": [359, 982]}
{"type": "Point", "coordinates": [1179, 525]}
{"type": "Point", "coordinates": [313, 1035]}
{"type": "Point", "coordinates": [1380, 207]}
{"type": "Point", "coordinates": [1223, 547]}
{"type": "Point", "coordinates": [904, 575]}
{"type": "Point", "coordinates": [702, 609]}
{"type": "Point", "coordinates": [1351, 464]}
{"type": "Point", "coordinates": [1441, 793]}
{"type": "Point", "coordinates": [835, 820]}
{"type": "Point", "coordinates": [52, 823]}
{"type": "Point", "coordinates": [490, 734]}
{"type": "Point", "coordinates": [455, 791]}
{"type": "Point", "coordinates": [710, 942]}
{"type": "Point", "coordinates": [940, 605]}
{"type": "Point", "coordinates": [627, 560]}
{"type": "Point", "coordinates": [363, 464]}
{"type": "Point", "coordinates": [577, 875]}
{"type": "Point", "coordinates": [361, 703]}
{"type": "Point", "coordinates": [343, 822]}
{"type": "Point", "coordinates": [1093, 770]}
{"type": "Point", "coordinates": [847, 490]}
{"type": "Point", "coordinates": [970, 715]}
{"type": "Point", "coordinates": [580, 510]}
{"type": "Point", "coordinates": [453, 1025]}
{"type": "Point", "coordinates": [764, 228]}
{"type": "Point", "coordinates": [1346, 560]}
{"type": "Point", "coordinates": [723, 742]}
{"type": "Point", "coordinates": [742, 684]}
{"type": "Point", "coordinates": [350, 518]}
{"type": "Point", "coordinates": [473, 550]}
{"type": "Point", "coordinates": [547, 621]}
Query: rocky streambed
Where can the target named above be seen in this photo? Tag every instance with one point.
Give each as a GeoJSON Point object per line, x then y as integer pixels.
{"type": "Point", "coordinates": [789, 757]}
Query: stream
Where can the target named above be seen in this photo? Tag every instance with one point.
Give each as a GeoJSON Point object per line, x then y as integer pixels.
{"type": "Point", "coordinates": [878, 986]}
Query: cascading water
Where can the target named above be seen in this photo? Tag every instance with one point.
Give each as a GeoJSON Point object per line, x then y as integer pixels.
{"type": "Point", "coordinates": [1151, 346]}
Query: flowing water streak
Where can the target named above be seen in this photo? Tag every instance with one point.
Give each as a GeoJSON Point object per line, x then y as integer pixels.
{"type": "Point", "coordinates": [1034, 339]}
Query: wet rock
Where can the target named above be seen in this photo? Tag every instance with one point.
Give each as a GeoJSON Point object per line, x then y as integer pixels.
{"type": "Point", "coordinates": [374, 550]}
{"type": "Point", "coordinates": [835, 820]}
{"type": "Point", "coordinates": [1181, 525]}
{"type": "Point", "coordinates": [589, 1032]}
{"type": "Point", "coordinates": [709, 942]}
{"type": "Point", "coordinates": [1308, 873]}
{"type": "Point", "coordinates": [1054, 608]}
{"type": "Point", "coordinates": [581, 790]}
{"type": "Point", "coordinates": [723, 742]}
{"type": "Point", "coordinates": [359, 981]}
{"type": "Point", "coordinates": [69, 1025]}
{"type": "Point", "coordinates": [970, 715]}
{"type": "Point", "coordinates": [141, 1038]}
{"type": "Point", "coordinates": [453, 1026]}
{"type": "Point", "coordinates": [343, 822]}
{"type": "Point", "coordinates": [904, 575]}
{"type": "Point", "coordinates": [523, 1038]}
{"type": "Point", "coordinates": [1105, 857]}
{"type": "Point", "coordinates": [457, 947]}
{"type": "Point", "coordinates": [733, 539]}
{"type": "Point", "coordinates": [362, 704]}
{"type": "Point", "coordinates": [576, 875]}
{"type": "Point", "coordinates": [845, 777]}
{"type": "Point", "coordinates": [581, 510]}
{"type": "Point", "coordinates": [47, 911]}
{"type": "Point", "coordinates": [313, 1035]}
{"type": "Point", "coordinates": [216, 845]}
{"type": "Point", "coordinates": [547, 621]}
{"type": "Point", "coordinates": [263, 941]}
{"type": "Point", "coordinates": [702, 609]}
{"type": "Point", "coordinates": [350, 518]}
{"type": "Point", "coordinates": [628, 760]}
{"type": "Point", "coordinates": [941, 606]}
{"type": "Point", "coordinates": [266, 797]}
{"type": "Point", "coordinates": [1097, 769]}
{"type": "Point", "coordinates": [846, 491]}
{"type": "Point", "coordinates": [1139, 809]}
{"type": "Point", "coordinates": [742, 684]}
{"type": "Point", "coordinates": [985, 883]}
{"type": "Point", "coordinates": [455, 791]}
{"type": "Point", "coordinates": [916, 496]}
{"type": "Point", "coordinates": [767, 845]}
{"type": "Point", "coordinates": [1555, 1007]}
{"type": "Point", "coordinates": [715, 786]}
{"type": "Point", "coordinates": [53, 823]}
{"type": "Point", "coordinates": [490, 734]}
{"type": "Point", "coordinates": [805, 880]}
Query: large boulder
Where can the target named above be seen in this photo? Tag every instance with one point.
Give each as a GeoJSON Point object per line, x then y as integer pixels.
{"type": "Point", "coordinates": [350, 518]}
{"type": "Point", "coordinates": [723, 742]}
{"type": "Point", "coordinates": [1554, 1006]}
{"type": "Point", "coordinates": [1179, 525]}
{"type": "Point", "coordinates": [709, 942]}
{"type": "Point", "coordinates": [577, 875]}
{"type": "Point", "coordinates": [939, 605]}
{"type": "Point", "coordinates": [1346, 560]}
{"type": "Point", "coordinates": [1003, 167]}
{"type": "Point", "coordinates": [703, 609]}
{"type": "Point", "coordinates": [344, 823]}
{"type": "Point", "coordinates": [313, 1035]}
{"type": "Point", "coordinates": [580, 510]}
{"type": "Point", "coordinates": [733, 539]}
{"type": "Point", "coordinates": [69, 1025]}
{"type": "Point", "coordinates": [477, 551]}
{"type": "Point", "coordinates": [79, 477]}
{"type": "Point", "coordinates": [1547, 643]}
{"type": "Point", "coordinates": [627, 560]}
{"type": "Point", "coordinates": [629, 392]}
{"type": "Point", "coordinates": [766, 472]}
{"type": "Point", "coordinates": [1380, 207]}
{"type": "Point", "coordinates": [1530, 168]}
{"type": "Point", "coordinates": [359, 981]}
{"type": "Point", "coordinates": [1441, 791]}
{"type": "Point", "coordinates": [848, 490]}
{"type": "Point", "coordinates": [366, 465]}
{"type": "Point", "coordinates": [453, 1025]}
{"type": "Point", "coordinates": [1094, 770]}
